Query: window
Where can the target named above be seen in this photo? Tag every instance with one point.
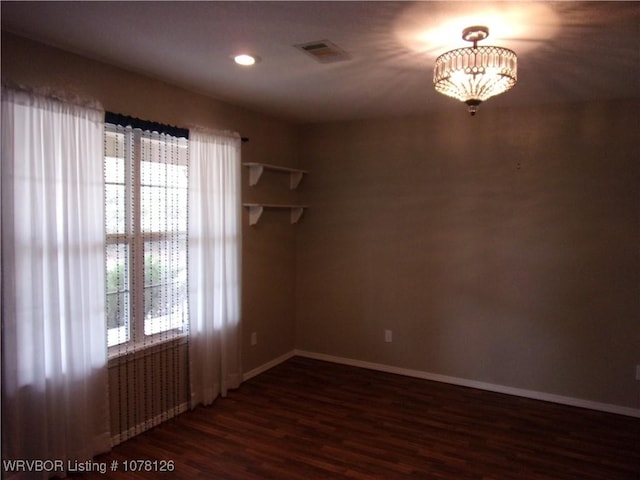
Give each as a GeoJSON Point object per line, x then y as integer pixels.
{"type": "Point", "coordinates": [146, 194]}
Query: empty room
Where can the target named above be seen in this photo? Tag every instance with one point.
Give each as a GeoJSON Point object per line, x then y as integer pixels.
{"type": "Point", "coordinates": [320, 240]}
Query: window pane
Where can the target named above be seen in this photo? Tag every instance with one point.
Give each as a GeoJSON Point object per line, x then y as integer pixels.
{"type": "Point", "coordinates": [160, 174]}
{"type": "Point", "coordinates": [117, 287]}
{"type": "Point", "coordinates": [163, 209]}
{"type": "Point", "coordinates": [117, 261]}
{"type": "Point", "coordinates": [114, 169]}
{"type": "Point", "coordinates": [165, 301]}
{"type": "Point", "coordinates": [163, 149]}
{"type": "Point", "coordinates": [164, 197]}
{"type": "Point", "coordinates": [115, 208]}
{"type": "Point", "coordinates": [117, 318]}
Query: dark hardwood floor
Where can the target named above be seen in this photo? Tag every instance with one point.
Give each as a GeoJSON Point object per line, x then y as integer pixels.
{"type": "Point", "coordinates": [307, 419]}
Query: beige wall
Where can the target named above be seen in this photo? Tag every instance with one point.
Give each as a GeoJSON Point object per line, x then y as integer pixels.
{"type": "Point", "coordinates": [269, 249]}
{"type": "Point", "coordinates": [501, 248]}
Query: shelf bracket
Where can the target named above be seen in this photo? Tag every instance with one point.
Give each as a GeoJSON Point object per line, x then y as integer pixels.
{"type": "Point", "coordinates": [255, 172]}
{"type": "Point", "coordinates": [294, 179]}
{"type": "Point", "coordinates": [255, 212]}
{"type": "Point", "coordinates": [296, 213]}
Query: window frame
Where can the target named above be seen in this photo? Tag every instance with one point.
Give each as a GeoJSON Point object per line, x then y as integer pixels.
{"type": "Point", "coordinates": [134, 238]}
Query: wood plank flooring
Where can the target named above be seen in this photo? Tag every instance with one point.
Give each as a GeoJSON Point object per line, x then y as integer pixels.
{"type": "Point", "coordinates": [307, 419]}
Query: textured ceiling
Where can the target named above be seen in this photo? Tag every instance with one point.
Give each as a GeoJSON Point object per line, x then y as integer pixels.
{"type": "Point", "coordinates": [568, 51]}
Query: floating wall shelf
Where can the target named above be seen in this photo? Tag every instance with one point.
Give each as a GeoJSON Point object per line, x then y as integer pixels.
{"type": "Point", "coordinates": [256, 170]}
{"type": "Point", "coordinates": [256, 210]}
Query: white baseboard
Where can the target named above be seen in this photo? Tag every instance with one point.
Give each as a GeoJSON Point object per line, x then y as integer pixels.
{"type": "Point", "coordinates": [519, 392]}
{"type": "Point", "coordinates": [263, 368]}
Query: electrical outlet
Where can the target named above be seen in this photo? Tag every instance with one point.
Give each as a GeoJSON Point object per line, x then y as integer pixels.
{"type": "Point", "coordinates": [388, 336]}
{"type": "Point", "coordinates": [254, 338]}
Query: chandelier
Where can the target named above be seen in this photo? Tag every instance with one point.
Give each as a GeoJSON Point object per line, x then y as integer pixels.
{"type": "Point", "coordinates": [474, 74]}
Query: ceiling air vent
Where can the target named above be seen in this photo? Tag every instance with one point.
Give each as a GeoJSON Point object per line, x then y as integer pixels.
{"type": "Point", "coordinates": [324, 51]}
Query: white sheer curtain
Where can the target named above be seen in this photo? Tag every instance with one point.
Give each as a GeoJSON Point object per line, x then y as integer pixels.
{"type": "Point", "coordinates": [54, 372]}
{"type": "Point", "coordinates": [214, 264]}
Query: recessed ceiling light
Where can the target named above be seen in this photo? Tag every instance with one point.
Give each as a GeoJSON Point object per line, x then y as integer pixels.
{"type": "Point", "coordinates": [245, 59]}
